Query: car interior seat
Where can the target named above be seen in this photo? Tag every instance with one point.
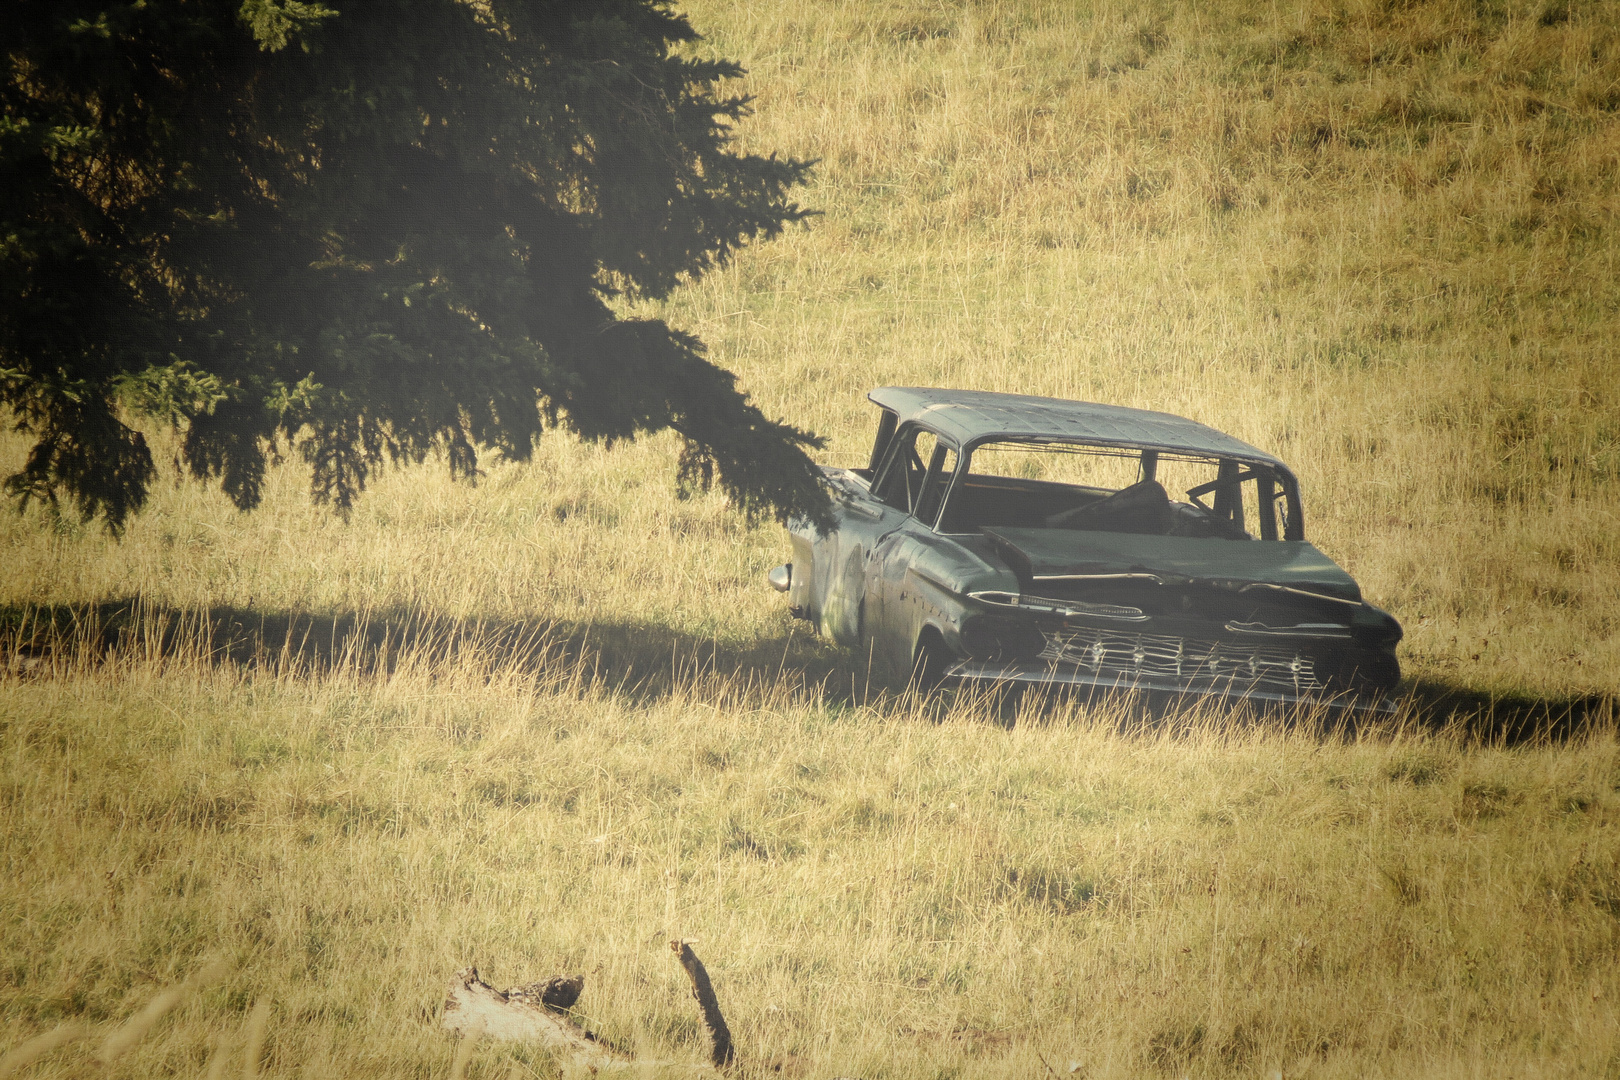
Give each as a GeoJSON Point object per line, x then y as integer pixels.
{"type": "Point", "coordinates": [1144, 507]}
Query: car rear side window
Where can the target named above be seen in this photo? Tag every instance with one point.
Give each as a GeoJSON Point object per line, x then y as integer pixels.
{"type": "Point", "coordinates": [920, 465]}
{"type": "Point", "coordinates": [941, 467]}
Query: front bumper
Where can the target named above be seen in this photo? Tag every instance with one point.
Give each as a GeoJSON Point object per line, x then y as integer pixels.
{"type": "Point", "coordinates": [1230, 688]}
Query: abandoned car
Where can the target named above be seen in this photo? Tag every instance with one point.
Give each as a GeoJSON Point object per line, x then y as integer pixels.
{"type": "Point", "coordinates": [1023, 540]}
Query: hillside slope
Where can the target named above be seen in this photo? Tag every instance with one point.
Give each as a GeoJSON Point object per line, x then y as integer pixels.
{"type": "Point", "coordinates": [1377, 239]}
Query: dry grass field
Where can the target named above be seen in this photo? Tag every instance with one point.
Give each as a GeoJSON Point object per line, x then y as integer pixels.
{"type": "Point", "coordinates": [550, 721]}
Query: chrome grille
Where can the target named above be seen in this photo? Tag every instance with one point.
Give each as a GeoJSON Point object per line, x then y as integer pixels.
{"type": "Point", "coordinates": [1191, 660]}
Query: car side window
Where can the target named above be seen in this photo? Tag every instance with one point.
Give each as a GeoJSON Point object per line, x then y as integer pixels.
{"type": "Point", "coordinates": [919, 468]}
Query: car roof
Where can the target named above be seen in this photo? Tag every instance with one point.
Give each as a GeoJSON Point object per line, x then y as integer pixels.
{"type": "Point", "coordinates": [975, 416]}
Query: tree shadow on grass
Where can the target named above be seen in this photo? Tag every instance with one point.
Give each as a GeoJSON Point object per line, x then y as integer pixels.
{"type": "Point", "coordinates": [640, 660]}
{"type": "Point", "coordinates": [644, 661]}
{"type": "Point", "coordinates": [1512, 718]}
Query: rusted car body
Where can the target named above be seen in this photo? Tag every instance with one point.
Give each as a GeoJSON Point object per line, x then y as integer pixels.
{"type": "Point", "coordinates": [1001, 538]}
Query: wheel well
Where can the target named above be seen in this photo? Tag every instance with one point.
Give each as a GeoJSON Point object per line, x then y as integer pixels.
{"type": "Point", "coordinates": [929, 636]}
{"type": "Point", "coordinates": [930, 658]}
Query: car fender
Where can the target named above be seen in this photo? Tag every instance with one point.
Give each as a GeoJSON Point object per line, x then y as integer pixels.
{"type": "Point", "coordinates": [911, 599]}
{"type": "Point", "coordinates": [939, 607]}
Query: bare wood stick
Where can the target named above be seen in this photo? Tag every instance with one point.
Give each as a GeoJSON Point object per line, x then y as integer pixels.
{"type": "Point", "coordinates": [719, 1035]}
{"type": "Point", "coordinates": [475, 1008]}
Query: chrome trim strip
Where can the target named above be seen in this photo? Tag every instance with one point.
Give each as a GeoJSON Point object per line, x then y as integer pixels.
{"type": "Point", "coordinates": [1300, 592]}
{"type": "Point", "coordinates": [1121, 612]}
{"type": "Point", "coordinates": [1155, 578]}
{"type": "Point", "coordinates": [1065, 608]}
{"type": "Point", "coordinates": [1335, 631]}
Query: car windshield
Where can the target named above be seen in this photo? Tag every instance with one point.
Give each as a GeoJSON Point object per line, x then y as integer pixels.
{"type": "Point", "coordinates": [1056, 485]}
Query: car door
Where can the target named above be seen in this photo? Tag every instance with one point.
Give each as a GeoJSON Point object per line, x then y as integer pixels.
{"type": "Point", "coordinates": [910, 485]}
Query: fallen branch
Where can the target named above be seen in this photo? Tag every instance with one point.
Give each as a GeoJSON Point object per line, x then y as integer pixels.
{"type": "Point", "coordinates": [522, 1014]}
{"type": "Point", "coordinates": [531, 1013]}
{"type": "Point", "coordinates": [721, 1052]}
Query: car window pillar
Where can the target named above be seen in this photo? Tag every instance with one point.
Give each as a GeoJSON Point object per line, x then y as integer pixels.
{"type": "Point", "coordinates": [1150, 465]}
{"type": "Point", "coordinates": [1294, 524]}
{"type": "Point", "coordinates": [931, 500]}
{"type": "Point", "coordinates": [1265, 482]}
{"type": "Point", "coordinates": [885, 432]}
{"type": "Point", "coordinates": [1229, 492]}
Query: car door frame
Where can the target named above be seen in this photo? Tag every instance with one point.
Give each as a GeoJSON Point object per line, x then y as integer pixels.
{"type": "Point", "coordinates": [891, 624]}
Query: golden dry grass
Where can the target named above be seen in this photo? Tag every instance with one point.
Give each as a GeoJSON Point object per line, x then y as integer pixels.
{"type": "Point", "coordinates": [876, 893]}
{"type": "Point", "coordinates": [1377, 240]}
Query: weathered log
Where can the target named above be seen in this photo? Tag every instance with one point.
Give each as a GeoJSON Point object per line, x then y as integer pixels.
{"type": "Point", "coordinates": [557, 992]}
{"type": "Point", "coordinates": [474, 1008]}
{"type": "Point", "coordinates": [720, 1049]}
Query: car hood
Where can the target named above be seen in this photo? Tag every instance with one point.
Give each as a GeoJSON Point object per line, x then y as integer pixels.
{"type": "Point", "coordinates": [1294, 564]}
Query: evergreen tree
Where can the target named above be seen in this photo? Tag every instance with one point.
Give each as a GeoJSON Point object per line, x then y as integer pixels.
{"type": "Point", "coordinates": [367, 229]}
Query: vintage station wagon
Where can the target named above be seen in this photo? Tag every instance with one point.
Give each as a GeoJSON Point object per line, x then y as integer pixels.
{"type": "Point", "coordinates": [1025, 540]}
